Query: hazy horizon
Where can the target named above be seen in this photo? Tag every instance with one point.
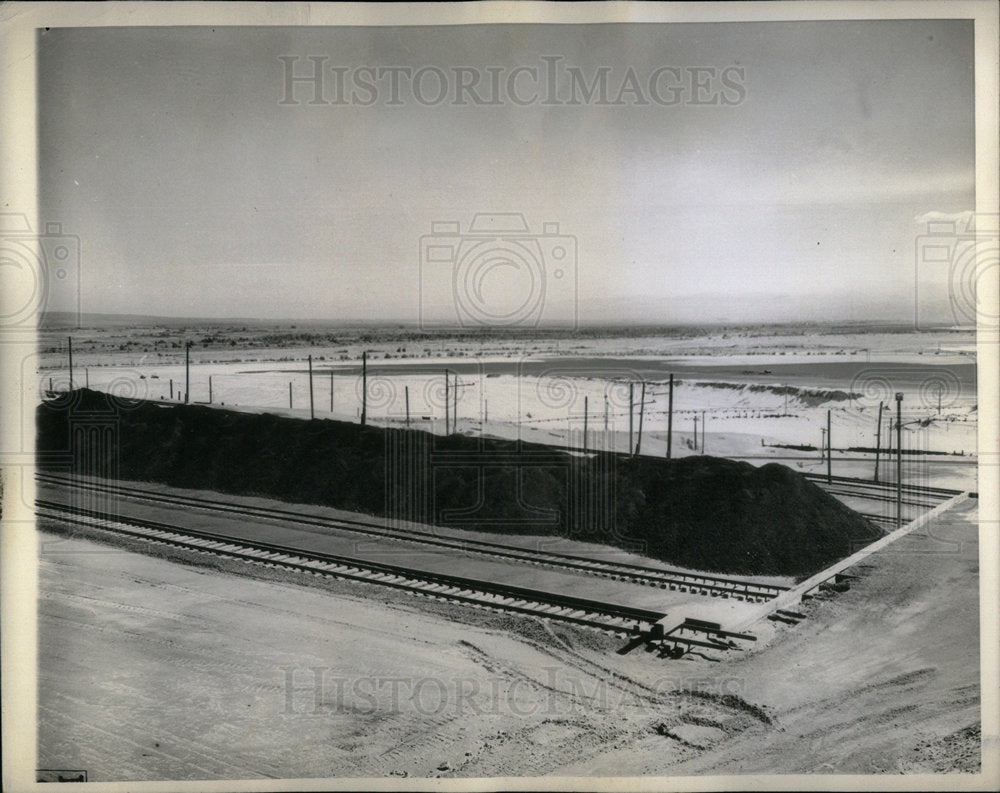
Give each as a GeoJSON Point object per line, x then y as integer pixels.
{"type": "Point", "coordinates": [54, 320]}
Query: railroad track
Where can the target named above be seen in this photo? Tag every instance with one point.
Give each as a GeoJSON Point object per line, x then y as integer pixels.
{"type": "Point", "coordinates": [609, 617]}
{"type": "Point", "coordinates": [917, 497]}
{"type": "Point", "coordinates": [866, 488]}
{"type": "Point", "coordinates": [702, 584]}
{"type": "Point", "coordinates": [920, 498]}
{"type": "Point", "coordinates": [884, 520]}
{"type": "Point", "coordinates": [889, 498]}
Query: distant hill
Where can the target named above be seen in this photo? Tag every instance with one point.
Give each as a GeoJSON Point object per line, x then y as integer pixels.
{"type": "Point", "coordinates": [64, 320]}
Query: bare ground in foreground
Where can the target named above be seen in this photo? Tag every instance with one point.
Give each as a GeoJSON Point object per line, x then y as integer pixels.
{"type": "Point", "coordinates": [151, 669]}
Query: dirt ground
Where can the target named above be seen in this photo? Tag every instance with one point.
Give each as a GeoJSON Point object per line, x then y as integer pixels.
{"type": "Point", "coordinates": [153, 669]}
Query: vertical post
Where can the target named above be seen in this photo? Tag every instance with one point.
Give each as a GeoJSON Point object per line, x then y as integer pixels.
{"type": "Point", "coordinates": [878, 439]}
{"type": "Point", "coordinates": [605, 413]}
{"type": "Point", "coordinates": [696, 432]}
{"type": "Point", "coordinates": [888, 440]}
{"type": "Point", "coordinates": [447, 405]}
{"type": "Point", "coordinates": [631, 412]}
{"type": "Point", "coordinates": [585, 422]}
{"type": "Point", "coordinates": [406, 394]}
{"type": "Point", "coordinates": [486, 410]}
{"type": "Point", "coordinates": [289, 395]}
{"type": "Point", "coordinates": [50, 385]}
{"type": "Point", "coordinates": [312, 412]}
{"type": "Point", "coordinates": [171, 388]}
{"type": "Point", "coordinates": [187, 370]}
{"type": "Point", "coordinates": [899, 459]}
{"type": "Point", "coordinates": [454, 412]}
{"type": "Point", "coordinates": [210, 389]}
{"type": "Point", "coordinates": [642, 412]}
{"type": "Point", "coordinates": [670, 418]}
{"type": "Point", "coordinates": [703, 422]}
{"type": "Point", "coordinates": [822, 444]}
{"type": "Point", "coordinates": [364, 388]}
{"type": "Point", "coordinates": [829, 451]}
{"type": "Point", "coordinates": [331, 390]}
{"type": "Point", "coordinates": [70, 362]}
{"type": "Point", "coordinates": [86, 377]}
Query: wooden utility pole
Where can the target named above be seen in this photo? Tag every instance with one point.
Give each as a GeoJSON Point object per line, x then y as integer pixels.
{"type": "Point", "coordinates": [289, 395]}
{"type": "Point", "coordinates": [454, 412]}
{"type": "Point", "coordinates": [696, 432]}
{"type": "Point", "coordinates": [899, 459]}
{"type": "Point", "coordinates": [187, 370]}
{"type": "Point", "coordinates": [331, 390]}
{"type": "Point", "coordinates": [312, 412]}
{"type": "Point", "coordinates": [703, 422]}
{"type": "Point", "coordinates": [70, 362]}
{"type": "Point", "coordinates": [364, 388]}
{"type": "Point", "coordinates": [585, 422]}
{"type": "Point", "coordinates": [888, 439]}
{"type": "Point", "coordinates": [86, 377]}
{"type": "Point", "coordinates": [210, 389]}
{"type": "Point", "coordinates": [670, 418]}
{"type": "Point", "coordinates": [878, 439]}
{"type": "Point", "coordinates": [631, 412]}
{"type": "Point", "coordinates": [447, 407]}
{"type": "Point", "coordinates": [50, 385]}
{"type": "Point", "coordinates": [406, 394]}
{"type": "Point", "coordinates": [171, 388]}
{"type": "Point", "coordinates": [829, 451]}
{"type": "Point", "coordinates": [642, 412]}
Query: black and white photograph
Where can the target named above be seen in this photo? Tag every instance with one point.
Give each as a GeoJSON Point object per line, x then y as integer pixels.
{"type": "Point", "coordinates": [437, 396]}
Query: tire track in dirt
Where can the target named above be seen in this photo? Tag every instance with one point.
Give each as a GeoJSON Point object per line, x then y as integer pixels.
{"type": "Point", "coordinates": [190, 749]}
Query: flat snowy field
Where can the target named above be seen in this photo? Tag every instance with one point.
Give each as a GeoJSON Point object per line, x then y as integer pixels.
{"type": "Point", "coordinates": [746, 397]}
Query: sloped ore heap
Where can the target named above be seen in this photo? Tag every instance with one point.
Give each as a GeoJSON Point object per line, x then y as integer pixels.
{"type": "Point", "coordinates": [700, 512]}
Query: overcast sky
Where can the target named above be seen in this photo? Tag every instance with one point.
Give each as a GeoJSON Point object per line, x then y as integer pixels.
{"type": "Point", "coordinates": [196, 192]}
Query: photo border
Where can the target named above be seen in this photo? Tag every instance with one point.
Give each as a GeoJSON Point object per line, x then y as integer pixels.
{"type": "Point", "coordinates": [18, 177]}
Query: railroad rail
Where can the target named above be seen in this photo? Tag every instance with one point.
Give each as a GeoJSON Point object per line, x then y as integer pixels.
{"type": "Point", "coordinates": [857, 487]}
{"type": "Point", "coordinates": [919, 498]}
{"type": "Point", "coordinates": [610, 617]}
{"type": "Point", "coordinates": [887, 497]}
{"type": "Point", "coordinates": [679, 580]}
